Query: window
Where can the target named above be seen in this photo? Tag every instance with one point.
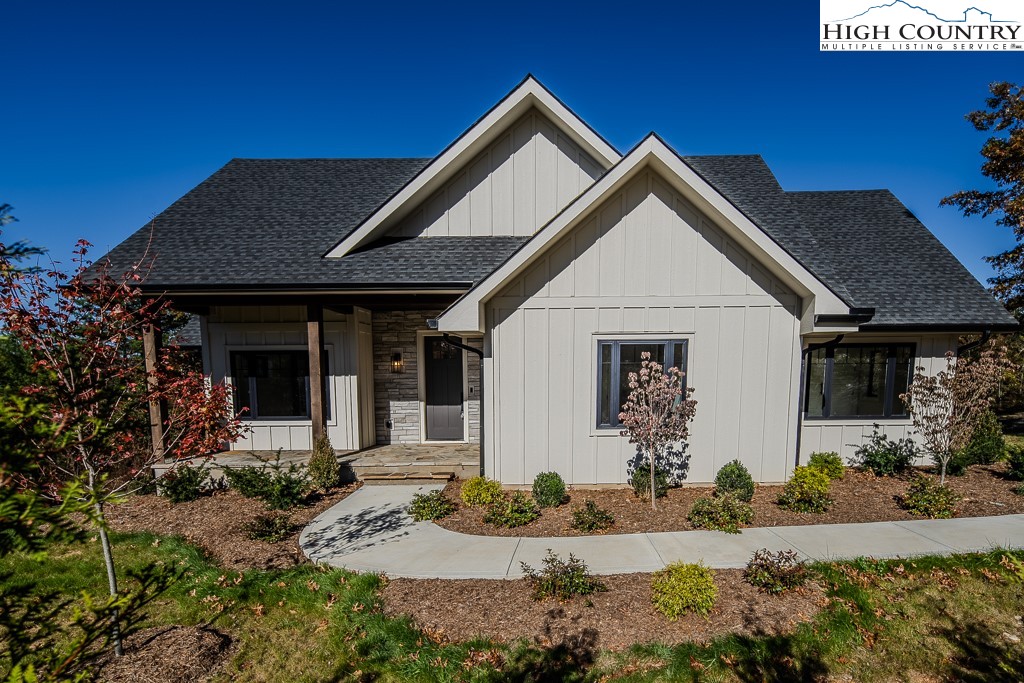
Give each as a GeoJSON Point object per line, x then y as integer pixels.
{"type": "Point", "coordinates": [616, 359]}
{"type": "Point", "coordinates": [859, 380]}
{"type": "Point", "coordinates": [273, 384]}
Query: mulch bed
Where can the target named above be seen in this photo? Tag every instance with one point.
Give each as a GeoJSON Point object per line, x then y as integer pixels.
{"type": "Point", "coordinates": [858, 497]}
{"type": "Point", "coordinates": [216, 523]}
{"type": "Point", "coordinates": [460, 610]}
{"type": "Point", "coordinates": [168, 654]}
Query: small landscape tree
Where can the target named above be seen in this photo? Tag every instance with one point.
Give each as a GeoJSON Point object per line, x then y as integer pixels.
{"type": "Point", "coordinates": [82, 333]}
{"type": "Point", "coordinates": [947, 406]}
{"type": "Point", "coordinates": [656, 413]}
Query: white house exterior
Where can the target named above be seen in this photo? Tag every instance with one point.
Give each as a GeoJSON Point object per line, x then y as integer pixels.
{"type": "Point", "coordinates": [798, 318]}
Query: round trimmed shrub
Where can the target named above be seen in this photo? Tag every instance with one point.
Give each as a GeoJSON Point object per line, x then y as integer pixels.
{"type": "Point", "coordinates": [928, 498]}
{"type": "Point", "coordinates": [641, 481]}
{"type": "Point", "coordinates": [481, 491]}
{"type": "Point", "coordinates": [515, 510]}
{"type": "Point", "coordinates": [806, 491]}
{"type": "Point", "coordinates": [828, 462]}
{"type": "Point", "coordinates": [1015, 463]}
{"type": "Point", "coordinates": [721, 513]}
{"type": "Point", "coordinates": [430, 506]}
{"type": "Point", "coordinates": [548, 489]}
{"type": "Point", "coordinates": [735, 479]}
{"type": "Point", "coordinates": [680, 588]}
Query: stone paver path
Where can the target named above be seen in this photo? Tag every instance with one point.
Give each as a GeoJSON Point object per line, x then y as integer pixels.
{"type": "Point", "coordinates": [371, 531]}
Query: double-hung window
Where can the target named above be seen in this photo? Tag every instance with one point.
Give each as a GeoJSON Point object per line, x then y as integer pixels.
{"type": "Point", "coordinates": [616, 359]}
{"type": "Point", "coordinates": [272, 384]}
{"type": "Point", "coordinates": [858, 380]}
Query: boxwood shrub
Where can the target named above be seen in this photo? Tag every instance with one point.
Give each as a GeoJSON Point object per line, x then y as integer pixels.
{"type": "Point", "coordinates": [549, 489]}
{"type": "Point", "coordinates": [806, 491]}
{"type": "Point", "coordinates": [481, 491]}
{"type": "Point", "coordinates": [734, 479]}
{"type": "Point", "coordinates": [724, 512]}
{"type": "Point", "coordinates": [680, 588]}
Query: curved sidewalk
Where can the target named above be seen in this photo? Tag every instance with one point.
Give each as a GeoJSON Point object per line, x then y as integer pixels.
{"type": "Point", "coordinates": [370, 531]}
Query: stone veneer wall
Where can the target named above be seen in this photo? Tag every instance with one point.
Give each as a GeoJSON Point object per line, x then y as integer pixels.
{"type": "Point", "coordinates": [396, 395]}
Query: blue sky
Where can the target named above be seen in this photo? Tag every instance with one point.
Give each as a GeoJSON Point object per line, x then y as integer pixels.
{"type": "Point", "coordinates": [112, 111]}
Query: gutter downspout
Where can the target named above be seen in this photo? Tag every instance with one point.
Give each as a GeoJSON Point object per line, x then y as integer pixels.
{"type": "Point", "coordinates": [985, 336]}
{"type": "Point", "coordinates": [472, 349]}
{"type": "Point", "coordinates": [803, 383]}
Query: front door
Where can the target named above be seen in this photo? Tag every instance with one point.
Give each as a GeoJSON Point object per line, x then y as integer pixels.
{"type": "Point", "coordinates": [443, 385]}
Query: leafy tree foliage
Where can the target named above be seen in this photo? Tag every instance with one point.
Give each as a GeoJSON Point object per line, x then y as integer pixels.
{"type": "Point", "coordinates": [82, 333]}
{"type": "Point", "coordinates": [1004, 165]}
{"type": "Point", "coordinates": [656, 414]}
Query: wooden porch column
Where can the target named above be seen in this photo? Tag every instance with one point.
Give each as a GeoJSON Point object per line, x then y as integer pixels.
{"type": "Point", "coordinates": [151, 343]}
{"type": "Point", "coordinates": [315, 338]}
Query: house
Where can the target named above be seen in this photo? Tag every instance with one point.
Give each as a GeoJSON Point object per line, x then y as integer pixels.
{"type": "Point", "coordinates": [326, 290]}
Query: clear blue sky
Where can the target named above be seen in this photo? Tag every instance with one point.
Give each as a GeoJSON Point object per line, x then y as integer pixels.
{"type": "Point", "coordinates": [112, 111]}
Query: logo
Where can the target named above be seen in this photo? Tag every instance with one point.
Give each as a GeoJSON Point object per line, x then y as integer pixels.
{"type": "Point", "coordinates": [922, 26]}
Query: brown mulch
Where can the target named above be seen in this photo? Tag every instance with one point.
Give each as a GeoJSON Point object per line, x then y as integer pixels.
{"type": "Point", "coordinates": [216, 523]}
{"type": "Point", "coordinates": [168, 654]}
{"type": "Point", "coordinates": [857, 497]}
{"type": "Point", "coordinates": [462, 609]}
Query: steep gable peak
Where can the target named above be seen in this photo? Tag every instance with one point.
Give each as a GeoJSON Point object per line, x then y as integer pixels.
{"type": "Point", "coordinates": [529, 99]}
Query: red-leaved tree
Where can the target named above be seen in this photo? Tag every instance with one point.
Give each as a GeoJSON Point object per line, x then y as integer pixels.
{"type": "Point", "coordinates": [83, 332]}
{"type": "Point", "coordinates": [656, 414]}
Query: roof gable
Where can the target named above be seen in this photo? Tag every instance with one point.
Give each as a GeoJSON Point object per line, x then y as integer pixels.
{"type": "Point", "coordinates": [528, 95]}
{"type": "Point", "coordinates": [467, 313]}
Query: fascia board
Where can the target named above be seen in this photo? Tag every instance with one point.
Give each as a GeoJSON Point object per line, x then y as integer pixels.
{"type": "Point", "coordinates": [528, 95]}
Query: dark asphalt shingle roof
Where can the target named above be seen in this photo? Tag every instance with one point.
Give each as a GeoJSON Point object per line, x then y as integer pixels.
{"type": "Point", "coordinates": [866, 246]}
{"type": "Point", "coordinates": [266, 223]}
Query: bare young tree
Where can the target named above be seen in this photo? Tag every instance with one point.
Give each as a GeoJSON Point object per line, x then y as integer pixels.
{"type": "Point", "coordinates": [947, 406]}
{"type": "Point", "coordinates": [656, 414]}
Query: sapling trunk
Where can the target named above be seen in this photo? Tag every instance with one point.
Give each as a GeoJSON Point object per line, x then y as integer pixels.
{"type": "Point", "coordinates": [108, 560]}
{"type": "Point", "coordinates": [654, 505]}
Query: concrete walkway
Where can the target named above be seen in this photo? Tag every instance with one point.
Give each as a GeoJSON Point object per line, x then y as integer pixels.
{"type": "Point", "coordinates": [370, 531]}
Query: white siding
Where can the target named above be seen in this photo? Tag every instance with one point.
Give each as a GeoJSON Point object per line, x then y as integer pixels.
{"type": "Point", "coordinates": [516, 185]}
{"type": "Point", "coordinates": [645, 262]}
{"type": "Point", "coordinates": [240, 327]}
{"type": "Point", "coordinates": [844, 436]}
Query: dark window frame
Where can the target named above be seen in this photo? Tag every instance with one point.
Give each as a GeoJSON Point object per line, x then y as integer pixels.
{"type": "Point", "coordinates": [252, 414]}
{"type": "Point", "coordinates": [615, 401]}
{"type": "Point", "coordinates": [890, 400]}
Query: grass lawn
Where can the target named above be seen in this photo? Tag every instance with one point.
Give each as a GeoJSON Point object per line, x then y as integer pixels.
{"type": "Point", "coordinates": [929, 619]}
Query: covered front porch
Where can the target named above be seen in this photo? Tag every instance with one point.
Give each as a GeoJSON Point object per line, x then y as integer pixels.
{"type": "Point", "coordinates": [391, 462]}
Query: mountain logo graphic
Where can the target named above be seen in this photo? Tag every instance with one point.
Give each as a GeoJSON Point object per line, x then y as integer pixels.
{"type": "Point", "coordinates": [970, 14]}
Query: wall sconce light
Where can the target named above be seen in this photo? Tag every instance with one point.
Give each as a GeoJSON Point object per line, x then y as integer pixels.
{"type": "Point", "coordinates": [397, 364]}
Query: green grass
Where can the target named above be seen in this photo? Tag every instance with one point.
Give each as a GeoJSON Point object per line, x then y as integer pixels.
{"type": "Point", "coordinates": [941, 617]}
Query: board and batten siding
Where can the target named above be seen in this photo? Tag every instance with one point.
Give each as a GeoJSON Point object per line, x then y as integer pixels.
{"type": "Point", "coordinates": [845, 435]}
{"type": "Point", "coordinates": [520, 182]}
{"type": "Point", "coordinates": [644, 263]}
{"type": "Point", "coordinates": [231, 328]}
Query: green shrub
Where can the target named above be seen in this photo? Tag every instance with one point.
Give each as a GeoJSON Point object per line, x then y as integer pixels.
{"type": "Point", "coordinates": [641, 481]}
{"type": "Point", "coordinates": [806, 491]}
{"type": "Point", "coordinates": [481, 491]}
{"type": "Point", "coordinates": [184, 483]}
{"type": "Point", "coordinates": [734, 479]}
{"type": "Point", "coordinates": [1015, 463]}
{"type": "Point", "coordinates": [251, 482]}
{"type": "Point", "coordinates": [324, 469]}
{"type": "Point", "coordinates": [775, 572]}
{"type": "Point", "coordinates": [561, 579]}
{"type": "Point", "coordinates": [680, 588]}
{"type": "Point", "coordinates": [885, 457]}
{"type": "Point", "coordinates": [724, 512]}
{"type": "Point", "coordinates": [548, 489]}
{"type": "Point", "coordinates": [515, 510]}
{"type": "Point", "coordinates": [270, 528]}
{"type": "Point", "coordinates": [828, 462]}
{"type": "Point", "coordinates": [928, 498]}
{"type": "Point", "coordinates": [591, 518]}
{"type": "Point", "coordinates": [433, 505]}
{"type": "Point", "coordinates": [987, 444]}
{"type": "Point", "coordinates": [1018, 489]}
{"type": "Point", "coordinates": [279, 487]}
